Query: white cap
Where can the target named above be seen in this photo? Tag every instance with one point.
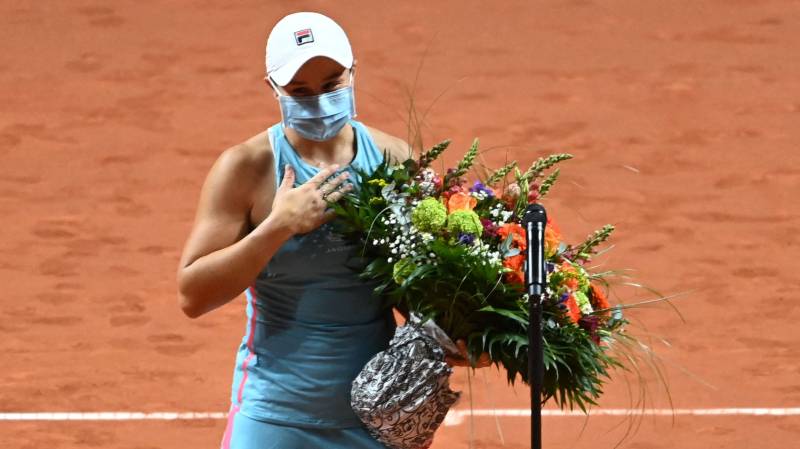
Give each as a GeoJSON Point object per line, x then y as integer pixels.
{"type": "Point", "coordinates": [301, 36]}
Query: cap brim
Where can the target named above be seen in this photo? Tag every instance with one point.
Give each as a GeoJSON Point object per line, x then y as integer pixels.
{"type": "Point", "coordinates": [284, 74]}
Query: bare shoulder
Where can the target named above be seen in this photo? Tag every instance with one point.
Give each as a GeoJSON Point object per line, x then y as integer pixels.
{"type": "Point", "coordinates": [248, 162]}
{"type": "Point", "coordinates": [237, 177]}
{"type": "Point", "coordinates": [398, 149]}
{"type": "Point", "coordinates": [226, 198]}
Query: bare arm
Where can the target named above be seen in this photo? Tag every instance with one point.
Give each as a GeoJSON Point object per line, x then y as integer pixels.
{"type": "Point", "coordinates": [220, 258]}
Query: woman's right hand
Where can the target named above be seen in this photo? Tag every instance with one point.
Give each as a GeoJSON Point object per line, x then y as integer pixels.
{"type": "Point", "coordinates": [302, 209]}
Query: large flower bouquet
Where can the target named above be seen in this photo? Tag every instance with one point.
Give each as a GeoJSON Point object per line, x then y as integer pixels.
{"type": "Point", "coordinates": [453, 251]}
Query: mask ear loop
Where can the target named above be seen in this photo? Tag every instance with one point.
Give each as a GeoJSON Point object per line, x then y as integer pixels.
{"type": "Point", "coordinates": [353, 91]}
{"type": "Point", "coordinates": [280, 105]}
{"type": "Point", "coordinates": [274, 86]}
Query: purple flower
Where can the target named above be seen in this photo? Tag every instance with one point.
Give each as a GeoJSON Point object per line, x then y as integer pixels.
{"type": "Point", "coordinates": [479, 187]}
{"type": "Point", "coordinates": [550, 266]}
{"type": "Point", "coordinates": [466, 239]}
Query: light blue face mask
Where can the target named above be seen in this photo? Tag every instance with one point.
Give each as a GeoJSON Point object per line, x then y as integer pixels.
{"type": "Point", "coordinates": [318, 117]}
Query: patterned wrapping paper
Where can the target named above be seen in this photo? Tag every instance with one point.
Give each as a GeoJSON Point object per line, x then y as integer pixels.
{"type": "Point", "coordinates": [403, 393]}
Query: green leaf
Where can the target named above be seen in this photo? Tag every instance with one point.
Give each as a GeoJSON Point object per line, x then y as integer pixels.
{"type": "Point", "coordinates": [516, 316]}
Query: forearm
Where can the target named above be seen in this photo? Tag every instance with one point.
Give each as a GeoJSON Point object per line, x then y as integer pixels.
{"type": "Point", "coordinates": [217, 278]}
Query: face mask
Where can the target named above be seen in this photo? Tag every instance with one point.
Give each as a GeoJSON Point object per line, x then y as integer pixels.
{"type": "Point", "coordinates": [318, 117]}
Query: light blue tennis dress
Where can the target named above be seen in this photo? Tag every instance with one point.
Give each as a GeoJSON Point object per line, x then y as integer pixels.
{"type": "Point", "coordinates": [312, 324]}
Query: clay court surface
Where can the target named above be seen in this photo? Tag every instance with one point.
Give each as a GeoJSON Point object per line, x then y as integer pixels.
{"type": "Point", "coordinates": [682, 116]}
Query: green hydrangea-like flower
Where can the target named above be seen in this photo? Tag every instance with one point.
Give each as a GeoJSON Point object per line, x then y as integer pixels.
{"type": "Point", "coordinates": [583, 302]}
{"type": "Point", "coordinates": [429, 215]}
{"type": "Point", "coordinates": [403, 269]}
{"type": "Point", "coordinates": [464, 222]}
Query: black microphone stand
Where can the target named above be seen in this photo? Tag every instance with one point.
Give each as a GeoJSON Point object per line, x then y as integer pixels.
{"type": "Point", "coordinates": [534, 221]}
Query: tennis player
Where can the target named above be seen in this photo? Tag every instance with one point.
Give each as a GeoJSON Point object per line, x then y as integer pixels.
{"type": "Point", "coordinates": [262, 227]}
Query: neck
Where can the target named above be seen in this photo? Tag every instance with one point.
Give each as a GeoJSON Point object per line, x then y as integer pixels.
{"type": "Point", "coordinates": [337, 150]}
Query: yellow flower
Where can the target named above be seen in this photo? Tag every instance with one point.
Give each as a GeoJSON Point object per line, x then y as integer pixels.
{"type": "Point", "coordinates": [377, 182]}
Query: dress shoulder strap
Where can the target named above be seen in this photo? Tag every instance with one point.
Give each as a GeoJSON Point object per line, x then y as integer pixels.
{"type": "Point", "coordinates": [278, 160]}
{"type": "Point", "coordinates": [284, 154]}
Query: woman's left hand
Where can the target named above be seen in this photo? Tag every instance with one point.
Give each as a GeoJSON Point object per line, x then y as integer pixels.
{"type": "Point", "coordinates": [482, 362]}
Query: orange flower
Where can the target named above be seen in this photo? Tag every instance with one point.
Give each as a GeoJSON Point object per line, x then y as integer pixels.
{"type": "Point", "coordinates": [571, 282]}
{"type": "Point", "coordinates": [552, 237]}
{"type": "Point", "coordinates": [519, 241]}
{"type": "Point", "coordinates": [515, 263]}
{"type": "Point", "coordinates": [461, 201]}
{"type": "Point", "coordinates": [567, 267]}
{"type": "Point", "coordinates": [573, 311]}
{"type": "Point", "coordinates": [515, 277]}
{"type": "Point", "coordinates": [598, 298]}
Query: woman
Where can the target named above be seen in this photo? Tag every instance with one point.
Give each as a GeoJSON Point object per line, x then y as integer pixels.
{"type": "Point", "coordinates": [262, 227]}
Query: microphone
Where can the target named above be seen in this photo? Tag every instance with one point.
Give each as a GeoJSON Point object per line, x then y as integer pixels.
{"type": "Point", "coordinates": [534, 220]}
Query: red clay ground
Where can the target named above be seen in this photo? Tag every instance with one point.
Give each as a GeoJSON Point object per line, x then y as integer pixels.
{"type": "Point", "coordinates": [682, 117]}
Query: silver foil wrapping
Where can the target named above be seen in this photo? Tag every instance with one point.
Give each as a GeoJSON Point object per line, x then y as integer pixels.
{"type": "Point", "coordinates": [403, 393]}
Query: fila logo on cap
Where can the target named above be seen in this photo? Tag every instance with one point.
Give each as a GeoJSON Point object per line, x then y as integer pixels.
{"type": "Point", "coordinates": [303, 36]}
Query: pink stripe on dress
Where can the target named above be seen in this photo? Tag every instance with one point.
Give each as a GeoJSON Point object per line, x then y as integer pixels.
{"type": "Point", "coordinates": [251, 332]}
{"type": "Point", "coordinates": [226, 438]}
